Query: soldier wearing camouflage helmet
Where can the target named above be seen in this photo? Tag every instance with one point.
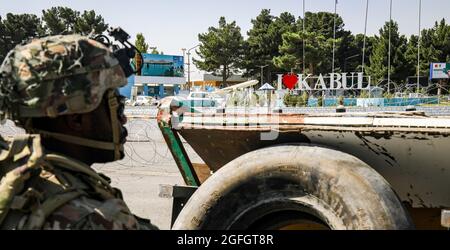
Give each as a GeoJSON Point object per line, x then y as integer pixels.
{"type": "Point", "coordinates": [63, 91]}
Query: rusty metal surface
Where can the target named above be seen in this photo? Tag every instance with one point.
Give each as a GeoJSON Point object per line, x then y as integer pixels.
{"type": "Point", "coordinates": [218, 147]}
{"type": "Point", "coordinates": [415, 164]}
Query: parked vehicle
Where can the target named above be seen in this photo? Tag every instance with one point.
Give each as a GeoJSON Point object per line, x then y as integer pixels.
{"type": "Point", "coordinates": [143, 101]}
{"type": "Point", "coordinates": [380, 170]}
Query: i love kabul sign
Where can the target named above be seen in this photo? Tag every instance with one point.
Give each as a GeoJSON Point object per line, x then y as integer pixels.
{"type": "Point", "coordinates": [332, 81]}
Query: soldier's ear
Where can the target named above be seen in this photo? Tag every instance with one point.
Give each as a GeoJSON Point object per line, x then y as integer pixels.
{"type": "Point", "coordinates": [74, 122]}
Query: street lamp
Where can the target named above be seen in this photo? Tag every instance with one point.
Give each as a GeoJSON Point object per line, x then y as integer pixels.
{"type": "Point", "coordinates": [184, 63]}
{"type": "Point", "coordinates": [262, 67]}
{"type": "Point", "coordinates": [189, 64]}
{"type": "Point", "coordinates": [184, 53]}
{"type": "Point", "coordinates": [418, 46]}
{"type": "Point", "coordinates": [364, 41]}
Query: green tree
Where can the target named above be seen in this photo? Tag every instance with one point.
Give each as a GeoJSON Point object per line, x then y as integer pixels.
{"type": "Point", "coordinates": [258, 52]}
{"type": "Point", "coordinates": [16, 29]}
{"type": "Point", "coordinates": [281, 25]}
{"type": "Point", "coordinates": [427, 54]}
{"type": "Point", "coordinates": [353, 55]}
{"type": "Point", "coordinates": [434, 47]}
{"type": "Point", "coordinates": [264, 40]}
{"type": "Point", "coordinates": [64, 20]}
{"type": "Point", "coordinates": [316, 52]}
{"type": "Point", "coordinates": [441, 40]}
{"type": "Point", "coordinates": [156, 52]}
{"type": "Point", "coordinates": [322, 23]}
{"type": "Point", "coordinates": [140, 43]}
{"type": "Point", "coordinates": [60, 20]}
{"type": "Point", "coordinates": [378, 68]}
{"type": "Point", "coordinates": [318, 37]}
{"type": "Point", "coordinates": [89, 21]}
{"type": "Point", "coordinates": [221, 49]}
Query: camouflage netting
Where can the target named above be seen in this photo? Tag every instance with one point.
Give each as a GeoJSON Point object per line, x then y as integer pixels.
{"type": "Point", "coordinates": [57, 75]}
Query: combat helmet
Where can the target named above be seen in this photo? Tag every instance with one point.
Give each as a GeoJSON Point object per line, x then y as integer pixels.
{"type": "Point", "coordinates": [60, 75]}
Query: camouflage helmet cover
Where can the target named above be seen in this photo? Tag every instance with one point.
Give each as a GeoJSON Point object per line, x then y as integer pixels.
{"type": "Point", "coordinates": [57, 75]}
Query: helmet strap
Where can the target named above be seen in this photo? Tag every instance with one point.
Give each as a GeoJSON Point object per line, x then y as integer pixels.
{"type": "Point", "coordinates": [77, 140]}
{"type": "Point", "coordinates": [113, 106]}
{"type": "Point", "coordinates": [115, 145]}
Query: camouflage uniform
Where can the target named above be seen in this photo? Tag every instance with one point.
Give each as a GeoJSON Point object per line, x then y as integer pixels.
{"type": "Point", "coordinates": [39, 189]}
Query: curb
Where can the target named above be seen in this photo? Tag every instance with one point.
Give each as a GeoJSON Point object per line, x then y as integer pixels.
{"type": "Point", "coordinates": [141, 117]}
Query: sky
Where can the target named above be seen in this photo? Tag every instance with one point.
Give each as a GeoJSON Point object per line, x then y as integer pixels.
{"type": "Point", "coordinates": [171, 25]}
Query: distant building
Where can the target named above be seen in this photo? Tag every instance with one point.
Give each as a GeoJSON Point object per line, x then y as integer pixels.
{"type": "Point", "coordinates": [210, 80]}
{"type": "Point", "coordinates": [161, 75]}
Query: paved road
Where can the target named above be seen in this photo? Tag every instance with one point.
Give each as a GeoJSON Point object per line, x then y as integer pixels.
{"type": "Point", "coordinates": [140, 187]}
{"type": "Point", "coordinates": [148, 163]}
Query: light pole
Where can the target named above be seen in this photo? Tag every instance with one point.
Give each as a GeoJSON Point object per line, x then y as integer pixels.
{"type": "Point", "coordinates": [389, 50]}
{"type": "Point", "coordinates": [418, 46]}
{"type": "Point", "coordinates": [334, 34]}
{"type": "Point", "coordinates": [364, 41]}
{"type": "Point", "coordinates": [184, 54]}
{"type": "Point", "coordinates": [303, 40]}
{"type": "Point", "coordinates": [184, 63]}
{"type": "Point", "coordinates": [189, 64]}
{"type": "Point", "coordinates": [262, 67]}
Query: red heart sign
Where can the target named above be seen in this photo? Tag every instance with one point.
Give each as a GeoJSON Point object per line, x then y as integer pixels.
{"type": "Point", "coordinates": [290, 80]}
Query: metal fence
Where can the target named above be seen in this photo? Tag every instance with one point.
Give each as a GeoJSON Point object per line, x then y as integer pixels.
{"type": "Point", "coordinates": [145, 145]}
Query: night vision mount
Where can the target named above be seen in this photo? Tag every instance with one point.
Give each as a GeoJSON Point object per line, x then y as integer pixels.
{"type": "Point", "coordinates": [123, 54]}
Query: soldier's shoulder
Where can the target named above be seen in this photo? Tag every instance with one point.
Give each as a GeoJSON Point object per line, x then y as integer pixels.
{"type": "Point", "coordinates": [88, 213]}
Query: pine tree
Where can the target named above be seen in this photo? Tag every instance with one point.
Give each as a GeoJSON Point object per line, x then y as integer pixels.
{"type": "Point", "coordinates": [16, 29]}
{"type": "Point", "coordinates": [64, 20]}
{"type": "Point", "coordinates": [441, 40]}
{"type": "Point", "coordinates": [140, 43]}
{"type": "Point", "coordinates": [258, 51]}
{"type": "Point", "coordinates": [89, 22]}
{"type": "Point", "coordinates": [264, 40]}
{"type": "Point", "coordinates": [378, 68]}
{"type": "Point", "coordinates": [221, 50]}
{"type": "Point", "coordinates": [60, 20]}
{"type": "Point", "coordinates": [318, 37]}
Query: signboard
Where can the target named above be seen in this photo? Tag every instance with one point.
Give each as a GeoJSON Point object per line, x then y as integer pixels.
{"type": "Point", "coordinates": [439, 70]}
{"type": "Point", "coordinates": [162, 65]}
{"type": "Point", "coordinates": [332, 81]}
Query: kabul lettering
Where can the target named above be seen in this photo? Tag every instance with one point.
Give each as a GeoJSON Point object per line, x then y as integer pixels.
{"type": "Point", "coordinates": [334, 81]}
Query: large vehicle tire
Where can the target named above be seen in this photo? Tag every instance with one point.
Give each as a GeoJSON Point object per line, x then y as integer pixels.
{"type": "Point", "coordinates": [294, 187]}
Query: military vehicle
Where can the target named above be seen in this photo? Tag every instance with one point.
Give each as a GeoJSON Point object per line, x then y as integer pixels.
{"type": "Point", "coordinates": [345, 170]}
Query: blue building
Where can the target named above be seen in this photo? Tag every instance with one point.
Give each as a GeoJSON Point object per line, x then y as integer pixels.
{"type": "Point", "coordinates": [161, 75]}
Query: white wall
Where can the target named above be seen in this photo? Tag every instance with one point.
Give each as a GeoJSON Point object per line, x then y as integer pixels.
{"type": "Point", "coordinates": [159, 80]}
